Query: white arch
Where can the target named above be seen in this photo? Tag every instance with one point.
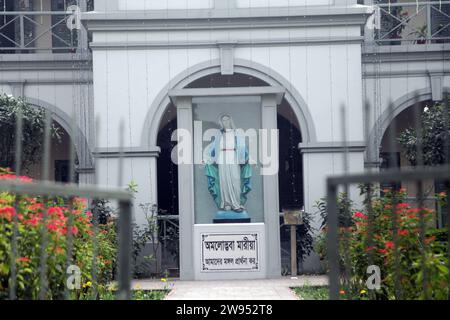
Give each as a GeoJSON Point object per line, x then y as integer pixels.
{"type": "Point", "coordinates": [76, 134]}
{"type": "Point", "coordinates": [155, 113]}
{"type": "Point", "coordinates": [382, 124]}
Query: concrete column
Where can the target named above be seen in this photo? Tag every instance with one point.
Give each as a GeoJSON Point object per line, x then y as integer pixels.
{"type": "Point", "coordinates": [86, 176]}
{"type": "Point", "coordinates": [186, 193]}
{"type": "Point", "coordinates": [270, 194]}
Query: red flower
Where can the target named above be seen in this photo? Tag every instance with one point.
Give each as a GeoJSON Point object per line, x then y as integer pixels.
{"type": "Point", "coordinates": [402, 232]}
{"type": "Point", "coordinates": [10, 176]}
{"type": "Point", "coordinates": [402, 205]}
{"type": "Point", "coordinates": [74, 230]}
{"type": "Point", "coordinates": [7, 213]}
{"type": "Point", "coordinates": [34, 221]}
{"type": "Point", "coordinates": [360, 215]}
{"type": "Point", "coordinates": [56, 211]}
{"type": "Point", "coordinates": [52, 226]}
{"type": "Point", "coordinates": [383, 251]}
{"type": "Point", "coordinates": [23, 259]}
{"type": "Point", "coordinates": [389, 244]}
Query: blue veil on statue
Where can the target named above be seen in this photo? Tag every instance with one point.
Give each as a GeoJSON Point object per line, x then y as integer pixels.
{"type": "Point", "coordinates": [228, 172]}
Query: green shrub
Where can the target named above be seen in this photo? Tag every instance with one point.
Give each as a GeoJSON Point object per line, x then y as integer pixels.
{"type": "Point", "coordinates": [357, 251]}
{"type": "Point", "coordinates": [36, 216]}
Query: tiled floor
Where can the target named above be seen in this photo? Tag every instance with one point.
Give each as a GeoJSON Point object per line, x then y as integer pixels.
{"type": "Point", "coordinates": [271, 289]}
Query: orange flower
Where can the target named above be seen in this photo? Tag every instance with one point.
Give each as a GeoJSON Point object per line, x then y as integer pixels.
{"type": "Point", "coordinates": [430, 239]}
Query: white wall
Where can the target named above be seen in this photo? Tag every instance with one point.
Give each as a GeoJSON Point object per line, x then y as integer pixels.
{"type": "Point", "coordinates": [281, 3]}
{"type": "Point", "coordinates": [164, 4]}
{"type": "Point", "coordinates": [127, 81]}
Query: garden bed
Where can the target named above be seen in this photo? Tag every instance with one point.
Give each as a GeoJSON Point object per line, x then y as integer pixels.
{"type": "Point", "coordinates": [312, 292]}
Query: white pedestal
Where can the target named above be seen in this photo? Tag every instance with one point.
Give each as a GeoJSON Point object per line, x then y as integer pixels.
{"type": "Point", "coordinates": [229, 251]}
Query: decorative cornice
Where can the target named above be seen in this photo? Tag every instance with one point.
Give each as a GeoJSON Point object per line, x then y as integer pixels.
{"type": "Point", "coordinates": [332, 147]}
{"type": "Point", "coordinates": [85, 170]}
{"type": "Point", "coordinates": [403, 73]}
{"type": "Point", "coordinates": [405, 53]}
{"type": "Point", "coordinates": [216, 44]}
{"type": "Point", "coordinates": [235, 18]}
{"type": "Point", "coordinates": [278, 92]}
{"type": "Point", "coordinates": [132, 152]}
{"type": "Point", "coordinates": [45, 62]}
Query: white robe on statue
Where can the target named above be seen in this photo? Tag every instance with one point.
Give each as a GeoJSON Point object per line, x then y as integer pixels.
{"type": "Point", "coordinates": [229, 173]}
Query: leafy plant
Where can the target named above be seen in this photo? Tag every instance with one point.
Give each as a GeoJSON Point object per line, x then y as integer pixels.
{"type": "Point", "coordinates": [312, 292]}
{"type": "Point", "coordinates": [305, 240]}
{"type": "Point", "coordinates": [32, 132]}
{"type": "Point", "coordinates": [345, 205]}
{"type": "Point", "coordinates": [357, 251]}
{"type": "Point", "coordinates": [142, 236]}
{"type": "Point", "coordinates": [433, 138]}
{"type": "Point", "coordinates": [36, 215]}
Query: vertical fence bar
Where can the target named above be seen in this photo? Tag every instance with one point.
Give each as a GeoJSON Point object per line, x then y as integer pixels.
{"type": "Point", "coordinates": [45, 177]}
{"type": "Point", "coordinates": [95, 251]}
{"type": "Point", "coordinates": [347, 260]}
{"type": "Point", "coordinates": [17, 169]}
{"type": "Point", "coordinates": [22, 31]}
{"type": "Point", "coordinates": [69, 243]}
{"type": "Point", "coordinates": [125, 236]}
{"type": "Point", "coordinates": [370, 232]}
{"type": "Point", "coordinates": [333, 240]}
{"type": "Point", "coordinates": [70, 221]}
{"type": "Point", "coordinates": [47, 147]}
{"type": "Point", "coordinates": [420, 162]}
{"type": "Point", "coordinates": [447, 181]}
{"type": "Point", "coordinates": [394, 202]}
{"type": "Point", "coordinates": [429, 23]}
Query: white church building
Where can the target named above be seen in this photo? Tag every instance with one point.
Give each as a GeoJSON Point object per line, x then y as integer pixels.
{"type": "Point", "coordinates": [328, 74]}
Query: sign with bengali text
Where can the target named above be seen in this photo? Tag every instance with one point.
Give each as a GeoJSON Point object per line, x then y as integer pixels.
{"type": "Point", "coordinates": [229, 252]}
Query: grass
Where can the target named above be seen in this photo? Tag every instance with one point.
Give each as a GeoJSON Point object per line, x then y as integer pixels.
{"type": "Point", "coordinates": [312, 292]}
{"type": "Point", "coordinates": [138, 295]}
{"type": "Point", "coordinates": [149, 294]}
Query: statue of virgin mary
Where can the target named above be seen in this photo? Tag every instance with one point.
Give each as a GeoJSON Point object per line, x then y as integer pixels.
{"type": "Point", "coordinates": [228, 171]}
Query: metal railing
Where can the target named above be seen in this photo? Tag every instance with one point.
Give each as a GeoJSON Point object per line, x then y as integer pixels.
{"type": "Point", "coordinates": [422, 22]}
{"type": "Point", "coordinates": [38, 31]}
{"type": "Point", "coordinates": [49, 190]}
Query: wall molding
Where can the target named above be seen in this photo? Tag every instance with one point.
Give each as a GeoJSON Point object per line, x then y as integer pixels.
{"type": "Point", "coordinates": [230, 18]}
{"type": "Point", "coordinates": [130, 152]}
{"type": "Point", "coordinates": [120, 45]}
{"type": "Point", "coordinates": [332, 147]}
{"type": "Point", "coordinates": [405, 53]}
